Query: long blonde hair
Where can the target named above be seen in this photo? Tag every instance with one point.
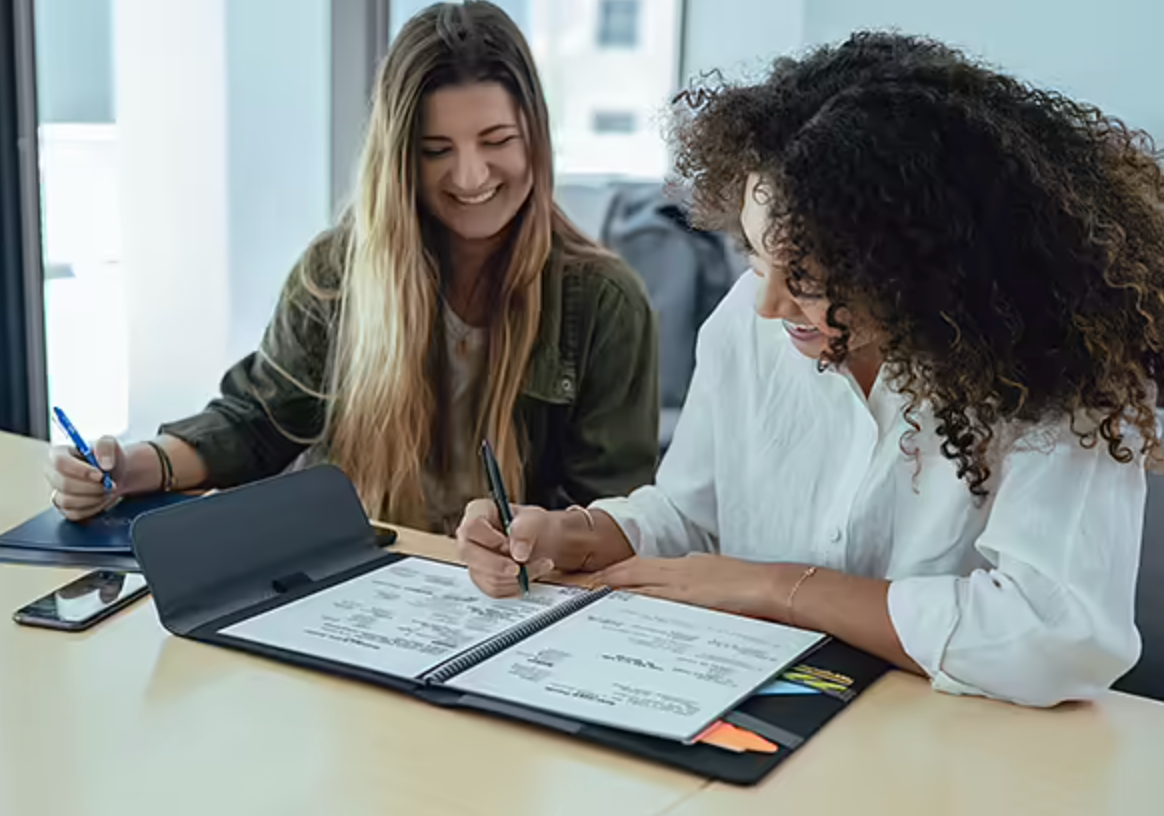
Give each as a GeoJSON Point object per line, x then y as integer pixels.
{"type": "Point", "coordinates": [383, 413]}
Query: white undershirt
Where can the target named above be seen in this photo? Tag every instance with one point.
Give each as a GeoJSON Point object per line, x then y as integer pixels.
{"type": "Point", "coordinates": [1028, 597]}
{"type": "Point", "coordinates": [447, 495]}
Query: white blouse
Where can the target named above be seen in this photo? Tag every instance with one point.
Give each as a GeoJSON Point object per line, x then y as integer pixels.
{"type": "Point", "coordinates": [1026, 597]}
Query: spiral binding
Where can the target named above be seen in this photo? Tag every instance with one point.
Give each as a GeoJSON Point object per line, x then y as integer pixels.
{"type": "Point", "coordinates": [511, 637]}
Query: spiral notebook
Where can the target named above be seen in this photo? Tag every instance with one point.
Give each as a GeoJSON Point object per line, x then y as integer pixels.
{"type": "Point", "coordinates": [289, 569]}
{"type": "Point", "coordinates": [641, 664]}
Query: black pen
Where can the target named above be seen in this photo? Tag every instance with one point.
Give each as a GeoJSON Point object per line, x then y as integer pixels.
{"type": "Point", "coordinates": [501, 499]}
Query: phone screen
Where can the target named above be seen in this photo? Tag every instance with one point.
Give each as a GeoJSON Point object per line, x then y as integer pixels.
{"type": "Point", "coordinates": [85, 598]}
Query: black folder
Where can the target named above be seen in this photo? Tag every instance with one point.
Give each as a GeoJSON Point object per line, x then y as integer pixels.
{"type": "Point", "coordinates": [237, 554]}
{"type": "Point", "coordinates": [49, 539]}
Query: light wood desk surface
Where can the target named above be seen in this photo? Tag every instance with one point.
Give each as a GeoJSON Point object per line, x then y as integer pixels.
{"type": "Point", "coordinates": [127, 720]}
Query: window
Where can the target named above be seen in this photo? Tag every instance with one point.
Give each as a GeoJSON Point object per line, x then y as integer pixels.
{"type": "Point", "coordinates": [618, 23]}
{"type": "Point", "coordinates": [614, 122]}
{"type": "Point", "coordinates": [169, 222]}
{"type": "Point", "coordinates": [608, 68]}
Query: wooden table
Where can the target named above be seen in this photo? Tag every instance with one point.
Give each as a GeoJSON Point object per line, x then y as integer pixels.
{"type": "Point", "coordinates": [127, 720]}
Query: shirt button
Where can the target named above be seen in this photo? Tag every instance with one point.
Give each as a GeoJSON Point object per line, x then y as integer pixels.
{"type": "Point", "coordinates": [836, 535]}
{"type": "Point", "coordinates": [567, 385]}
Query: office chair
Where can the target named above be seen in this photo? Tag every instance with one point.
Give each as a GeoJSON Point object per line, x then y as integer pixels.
{"type": "Point", "coordinates": [1146, 678]}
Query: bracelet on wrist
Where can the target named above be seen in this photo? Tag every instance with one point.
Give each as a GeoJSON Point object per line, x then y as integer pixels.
{"type": "Point", "coordinates": [578, 509]}
{"type": "Point", "coordinates": [166, 464]}
{"type": "Point", "coordinates": [804, 576]}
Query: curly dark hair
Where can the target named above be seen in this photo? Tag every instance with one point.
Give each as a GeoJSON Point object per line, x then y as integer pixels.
{"type": "Point", "coordinates": [1007, 241]}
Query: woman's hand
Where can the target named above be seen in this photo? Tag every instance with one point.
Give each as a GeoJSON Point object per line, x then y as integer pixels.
{"type": "Point", "coordinates": [848, 607]}
{"type": "Point", "coordinates": [78, 489]}
{"type": "Point", "coordinates": [757, 590]}
{"type": "Point", "coordinates": [493, 559]}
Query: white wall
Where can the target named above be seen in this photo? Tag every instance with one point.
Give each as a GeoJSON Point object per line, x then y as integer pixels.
{"type": "Point", "coordinates": [740, 37]}
{"type": "Point", "coordinates": [1102, 52]}
{"type": "Point", "coordinates": [1106, 52]}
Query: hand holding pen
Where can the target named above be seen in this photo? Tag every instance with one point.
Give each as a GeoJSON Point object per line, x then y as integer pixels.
{"type": "Point", "coordinates": [83, 477]}
{"type": "Point", "coordinates": [81, 445]}
{"type": "Point", "coordinates": [501, 499]}
{"type": "Point", "coordinates": [494, 559]}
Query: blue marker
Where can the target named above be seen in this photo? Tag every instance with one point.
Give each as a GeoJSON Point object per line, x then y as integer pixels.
{"type": "Point", "coordinates": [82, 446]}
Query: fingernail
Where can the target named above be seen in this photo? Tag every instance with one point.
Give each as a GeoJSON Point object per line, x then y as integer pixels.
{"type": "Point", "coordinates": [512, 570]}
{"type": "Point", "coordinates": [520, 550]}
{"type": "Point", "coordinates": [96, 475]}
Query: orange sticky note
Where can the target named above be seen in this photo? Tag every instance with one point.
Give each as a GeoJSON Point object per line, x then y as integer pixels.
{"type": "Point", "coordinates": [733, 738]}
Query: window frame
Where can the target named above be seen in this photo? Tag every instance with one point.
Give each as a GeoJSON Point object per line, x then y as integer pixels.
{"type": "Point", "coordinates": [23, 375]}
{"type": "Point", "coordinates": [603, 36]}
{"type": "Point", "coordinates": [607, 117]}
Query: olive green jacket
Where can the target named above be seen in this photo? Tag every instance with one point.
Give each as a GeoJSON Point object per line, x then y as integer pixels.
{"type": "Point", "coordinates": [588, 410]}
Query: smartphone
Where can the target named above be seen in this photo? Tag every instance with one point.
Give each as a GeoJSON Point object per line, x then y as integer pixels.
{"type": "Point", "coordinates": [81, 603]}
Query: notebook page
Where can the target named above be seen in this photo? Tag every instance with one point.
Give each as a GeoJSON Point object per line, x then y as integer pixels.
{"type": "Point", "coordinates": [402, 619]}
{"type": "Point", "coordinates": [640, 664]}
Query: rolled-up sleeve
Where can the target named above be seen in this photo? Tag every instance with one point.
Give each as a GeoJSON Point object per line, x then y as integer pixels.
{"type": "Point", "coordinates": [271, 407]}
{"type": "Point", "coordinates": [1053, 618]}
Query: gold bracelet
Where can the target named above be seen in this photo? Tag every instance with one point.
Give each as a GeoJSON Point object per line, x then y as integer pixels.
{"type": "Point", "coordinates": [804, 576]}
{"type": "Point", "coordinates": [576, 508]}
{"type": "Point", "coordinates": [580, 509]}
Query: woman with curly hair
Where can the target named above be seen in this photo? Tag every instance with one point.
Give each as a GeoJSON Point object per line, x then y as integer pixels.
{"type": "Point", "coordinates": [922, 425]}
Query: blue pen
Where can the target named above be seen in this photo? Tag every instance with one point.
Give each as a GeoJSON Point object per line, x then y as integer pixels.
{"type": "Point", "coordinates": [82, 446]}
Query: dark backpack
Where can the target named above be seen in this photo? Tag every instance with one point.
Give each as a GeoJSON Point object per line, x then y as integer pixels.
{"type": "Point", "coordinates": [687, 272]}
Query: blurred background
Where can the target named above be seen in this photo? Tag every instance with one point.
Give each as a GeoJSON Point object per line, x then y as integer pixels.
{"type": "Point", "coordinates": [187, 150]}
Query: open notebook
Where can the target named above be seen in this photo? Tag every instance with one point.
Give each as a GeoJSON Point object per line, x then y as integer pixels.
{"type": "Point", "coordinates": [641, 664]}
{"type": "Point", "coordinates": [290, 569]}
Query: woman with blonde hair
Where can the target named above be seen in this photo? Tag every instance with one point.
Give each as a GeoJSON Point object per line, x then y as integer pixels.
{"type": "Point", "coordinates": [453, 301]}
